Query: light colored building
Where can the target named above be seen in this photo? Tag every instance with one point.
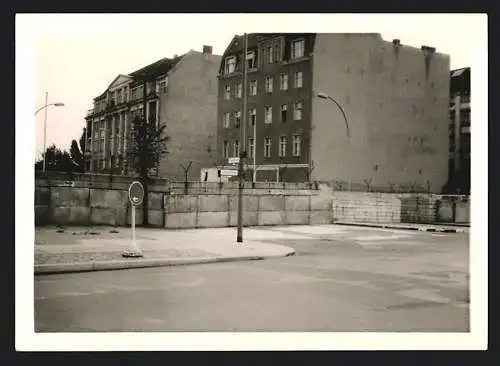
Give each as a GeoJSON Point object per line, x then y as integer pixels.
{"type": "Point", "coordinates": [181, 92]}
{"type": "Point", "coordinates": [395, 98]}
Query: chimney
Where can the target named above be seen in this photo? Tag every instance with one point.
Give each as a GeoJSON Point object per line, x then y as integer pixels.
{"type": "Point", "coordinates": [207, 50]}
{"type": "Point", "coordinates": [428, 49]}
{"type": "Point", "coordinates": [396, 42]}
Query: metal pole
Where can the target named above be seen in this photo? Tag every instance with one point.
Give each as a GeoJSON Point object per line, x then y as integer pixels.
{"type": "Point", "coordinates": [239, 237]}
{"type": "Point", "coordinates": [45, 131]}
{"type": "Point", "coordinates": [133, 228]}
{"type": "Point", "coordinates": [254, 178]}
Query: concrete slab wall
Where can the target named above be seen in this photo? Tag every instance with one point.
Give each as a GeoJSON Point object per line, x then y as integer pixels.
{"type": "Point", "coordinates": [93, 206]}
{"type": "Point", "coordinates": [366, 207]}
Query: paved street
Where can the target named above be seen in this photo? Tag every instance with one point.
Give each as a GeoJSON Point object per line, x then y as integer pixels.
{"type": "Point", "coordinates": [341, 279]}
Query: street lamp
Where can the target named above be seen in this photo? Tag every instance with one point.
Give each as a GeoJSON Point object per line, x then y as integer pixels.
{"type": "Point", "coordinates": [58, 104]}
{"type": "Point", "coordinates": [326, 96]}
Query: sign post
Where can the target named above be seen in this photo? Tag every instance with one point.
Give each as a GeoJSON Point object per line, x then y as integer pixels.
{"type": "Point", "coordinates": [136, 196]}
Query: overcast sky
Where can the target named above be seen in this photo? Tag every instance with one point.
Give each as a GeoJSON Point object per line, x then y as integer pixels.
{"type": "Point", "coordinates": [76, 56]}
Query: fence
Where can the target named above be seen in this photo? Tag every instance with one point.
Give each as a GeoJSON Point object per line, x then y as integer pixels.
{"type": "Point", "coordinates": [121, 182]}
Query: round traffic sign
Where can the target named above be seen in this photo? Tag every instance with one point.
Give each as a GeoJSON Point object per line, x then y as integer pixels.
{"type": "Point", "coordinates": [136, 193]}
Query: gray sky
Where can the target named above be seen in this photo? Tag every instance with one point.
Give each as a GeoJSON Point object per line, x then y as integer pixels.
{"type": "Point", "coordinates": [78, 55]}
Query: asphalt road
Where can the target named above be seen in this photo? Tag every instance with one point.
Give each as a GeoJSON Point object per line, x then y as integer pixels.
{"type": "Point", "coordinates": [341, 279]}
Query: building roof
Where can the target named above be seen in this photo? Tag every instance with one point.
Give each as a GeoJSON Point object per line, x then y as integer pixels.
{"type": "Point", "coordinates": [460, 80]}
{"type": "Point", "coordinates": [458, 72]}
{"type": "Point", "coordinates": [237, 44]}
{"type": "Point", "coordinates": [156, 68]}
{"type": "Point", "coordinates": [151, 71]}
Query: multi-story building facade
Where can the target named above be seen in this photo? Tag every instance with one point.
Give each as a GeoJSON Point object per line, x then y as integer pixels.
{"type": "Point", "coordinates": [395, 98]}
{"type": "Point", "coordinates": [180, 92]}
{"type": "Point", "coordinates": [459, 127]}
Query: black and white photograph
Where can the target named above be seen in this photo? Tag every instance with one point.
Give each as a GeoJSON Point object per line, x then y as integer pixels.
{"type": "Point", "coordinates": [251, 181]}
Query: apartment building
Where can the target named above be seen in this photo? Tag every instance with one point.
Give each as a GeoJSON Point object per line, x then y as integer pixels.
{"type": "Point", "coordinates": [395, 98]}
{"type": "Point", "coordinates": [459, 132]}
{"type": "Point", "coordinates": [180, 92]}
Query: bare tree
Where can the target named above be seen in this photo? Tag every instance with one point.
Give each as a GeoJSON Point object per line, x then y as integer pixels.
{"type": "Point", "coordinates": [186, 175]}
{"type": "Point", "coordinates": [368, 183]}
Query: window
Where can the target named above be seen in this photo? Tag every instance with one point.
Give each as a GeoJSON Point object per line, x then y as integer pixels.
{"type": "Point", "coordinates": [296, 145]}
{"type": "Point", "coordinates": [225, 120]}
{"type": "Point", "coordinates": [268, 114]}
{"type": "Point", "coordinates": [133, 94]}
{"type": "Point", "coordinates": [237, 119]}
{"type": "Point", "coordinates": [251, 60]}
{"type": "Point", "coordinates": [229, 65]}
{"type": "Point", "coordinates": [284, 81]}
{"type": "Point", "coordinates": [120, 96]}
{"type": "Point", "coordinates": [282, 151]}
{"type": "Point", "coordinates": [297, 49]}
{"type": "Point", "coordinates": [253, 116]}
{"type": "Point", "coordinates": [267, 147]}
{"type": "Point", "coordinates": [236, 148]}
{"type": "Point", "coordinates": [284, 110]}
{"type": "Point", "coordinates": [269, 84]}
{"type": "Point", "coordinates": [297, 79]}
{"type": "Point", "coordinates": [238, 90]}
{"type": "Point", "coordinates": [253, 87]}
{"type": "Point", "coordinates": [251, 147]}
{"type": "Point", "coordinates": [278, 52]}
{"type": "Point", "coordinates": [125, 94]}
{"type": "Point", "coordinates": [227, 92]}
{"type": "Point", "coordinates": [270, 55]}
{"type": "Point", "coordinates": [297, 111]}
{"type": "Point", "coordinates": [225, 149]}
{"type": "Point", "coordinates": [465, 118]}
{"type": "Point", "coordinates": [162, 85]}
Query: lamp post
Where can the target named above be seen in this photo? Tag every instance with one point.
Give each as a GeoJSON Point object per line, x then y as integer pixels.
{"type": "Point", "coordinates": [58, 104]}
{"type": "Point", "coordinates": [243, 144]}
{"type": "Point", "coordinates": [326, 96]}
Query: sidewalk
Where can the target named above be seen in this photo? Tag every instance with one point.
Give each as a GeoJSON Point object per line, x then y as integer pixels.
{"type": "Point", "coordinates": [82, 249]}
{"type": "Point", "coordinates": [446, 228]}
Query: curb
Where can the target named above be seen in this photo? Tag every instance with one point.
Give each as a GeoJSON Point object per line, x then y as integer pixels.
{"type": "Point", "coordinates": [46, 269]}
{"type": "Point", "coordinates": [395, 227]}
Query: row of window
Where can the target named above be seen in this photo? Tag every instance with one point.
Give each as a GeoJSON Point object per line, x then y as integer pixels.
{"type": "Point", "coordinates": [268, 85]}
{"type": "Point", "coordinates": [271, 54]}
{"type": "Point", "coordinates": [297, 108]}
{"type": "Point", "coordinates": [296, 144]}
{"type": "Point", "coordinates": [125, 93]}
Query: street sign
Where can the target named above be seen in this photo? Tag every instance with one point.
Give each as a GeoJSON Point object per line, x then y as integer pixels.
{"type": "Point", "coordinates": [229, 172]}
{"type": "Point", "coordinates": [233, 160]}
{"type": "Point", "coordinates": [136, 196]}
{"type": "Point", "coordinates": [136, 193]}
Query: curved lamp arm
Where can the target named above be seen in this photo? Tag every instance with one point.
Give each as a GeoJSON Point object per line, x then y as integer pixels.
{"type": "Point", "coordinates": [48, 105]}
{"type": "Point", "coordinates": [326, 96]}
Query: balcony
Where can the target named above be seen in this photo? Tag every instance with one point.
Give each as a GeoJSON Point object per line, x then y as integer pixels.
{"type": "Point", "coordinates": [110, 105]}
